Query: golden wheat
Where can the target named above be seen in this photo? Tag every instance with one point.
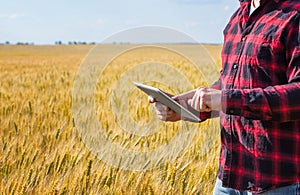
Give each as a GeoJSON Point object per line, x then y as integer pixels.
{"type": "Point", "coordinates": [41, 151]}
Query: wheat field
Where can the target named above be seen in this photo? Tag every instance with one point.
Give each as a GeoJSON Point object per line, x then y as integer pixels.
{"type": "Point", "coordinates": [42, 150]}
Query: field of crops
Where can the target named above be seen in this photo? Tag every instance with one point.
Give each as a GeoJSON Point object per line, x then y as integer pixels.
{"type": "Point", "coordinates": [44, 150]}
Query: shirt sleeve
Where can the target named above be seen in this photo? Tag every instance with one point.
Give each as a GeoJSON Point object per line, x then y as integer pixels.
{"type": "Point", "coordinates": [216, 85]}
{"type": "Point", "coordinates": [280, 102]}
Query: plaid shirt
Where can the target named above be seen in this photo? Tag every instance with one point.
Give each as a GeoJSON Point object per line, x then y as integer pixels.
{"type": "Point", "coordinates": [260, 83]}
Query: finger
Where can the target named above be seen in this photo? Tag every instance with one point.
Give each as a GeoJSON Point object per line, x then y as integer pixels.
{"type": "Point", "coordinates": [199, 99]}
{"type": "Point", "coordinates": [205, 101]}
{"type": "Point", "coordinates": [189, 102]}
{"type": "Point", "coordinates": [183, 103]}
{"type": "Point", "coordinates": [151, 99]}
{"type": "Point", "coordinates": [170, 113]}
{"type": "Point", "coordinates": [160, 107]}
{"type": "Point", "coordinates": [198, 102]}
{"type": "Point", "coordinates": [195, 103]}
{"type": "Point", "coordinates": [204, 105]}
{"type": "Point", "coordinates": [208, 103]}
{"type": "Point", "coordinates": [161, 112]}
{"type": "Point", "coordinates": [166, 115]}
{"type": "Point", "coordinates": [162, 117]}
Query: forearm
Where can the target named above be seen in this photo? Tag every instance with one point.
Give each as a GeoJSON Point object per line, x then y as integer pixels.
{"type": "Point", "coordinates": [279, 103]}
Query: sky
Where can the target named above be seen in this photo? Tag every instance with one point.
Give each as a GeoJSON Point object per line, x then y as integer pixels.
{"type": "Point", "coordinates": [45, 22]}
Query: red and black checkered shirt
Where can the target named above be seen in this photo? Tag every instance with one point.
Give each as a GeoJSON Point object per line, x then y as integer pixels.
{"type": "Point", "coordinates": [260, 83]}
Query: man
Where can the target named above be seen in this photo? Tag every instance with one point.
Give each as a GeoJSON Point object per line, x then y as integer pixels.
{"type": "Point", "coordinates": [258, 96]}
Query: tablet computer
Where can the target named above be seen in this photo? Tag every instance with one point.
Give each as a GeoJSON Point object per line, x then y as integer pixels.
{"type": "Point", "coordinates": [163, 98]}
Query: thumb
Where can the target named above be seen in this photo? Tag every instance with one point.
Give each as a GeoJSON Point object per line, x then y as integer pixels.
{"type": "Point", "coordinates": [183, 103]}
{"type": "Point", "coordinates": [190, 101]}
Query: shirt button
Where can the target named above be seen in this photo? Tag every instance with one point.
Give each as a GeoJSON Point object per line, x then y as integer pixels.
{"type": "Point", "coordinates": [235, 66]}
{"type": "Point", "coordinates": [231, 111]}
{"type": "Point", "coordinates": [243, 38]}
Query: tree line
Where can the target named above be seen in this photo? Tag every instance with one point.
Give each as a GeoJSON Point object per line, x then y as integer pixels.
{"type": "Point", "coordinates": [55, 43]}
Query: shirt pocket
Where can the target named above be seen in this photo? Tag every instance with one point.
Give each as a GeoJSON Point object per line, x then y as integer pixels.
{"type": "Point", "coordinates": [268, 67]}
{"type": "Point", "coordinates": [260, 66]}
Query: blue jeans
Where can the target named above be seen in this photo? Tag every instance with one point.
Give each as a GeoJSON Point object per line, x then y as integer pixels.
{"type": "Point", "coordinates": [287, 190]}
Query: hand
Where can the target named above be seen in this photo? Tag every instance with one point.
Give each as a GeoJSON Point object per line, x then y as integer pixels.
{"type": "Point", "coordinates": [163, 112]}
{"type": "Point", "coordinates": [206, 100]}
{"type": "Point", "coordinates": [166, 114]}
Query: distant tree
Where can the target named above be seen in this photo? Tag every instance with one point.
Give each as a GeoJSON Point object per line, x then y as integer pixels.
{"type": "Point", "coordinates": [81, 43]}
{"type": "Point", "coordinates": [58, 42]}
{"type": "Point", "coordinates": [7, 42]}
{"type": "Point", "coordinates": [25, 43]}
